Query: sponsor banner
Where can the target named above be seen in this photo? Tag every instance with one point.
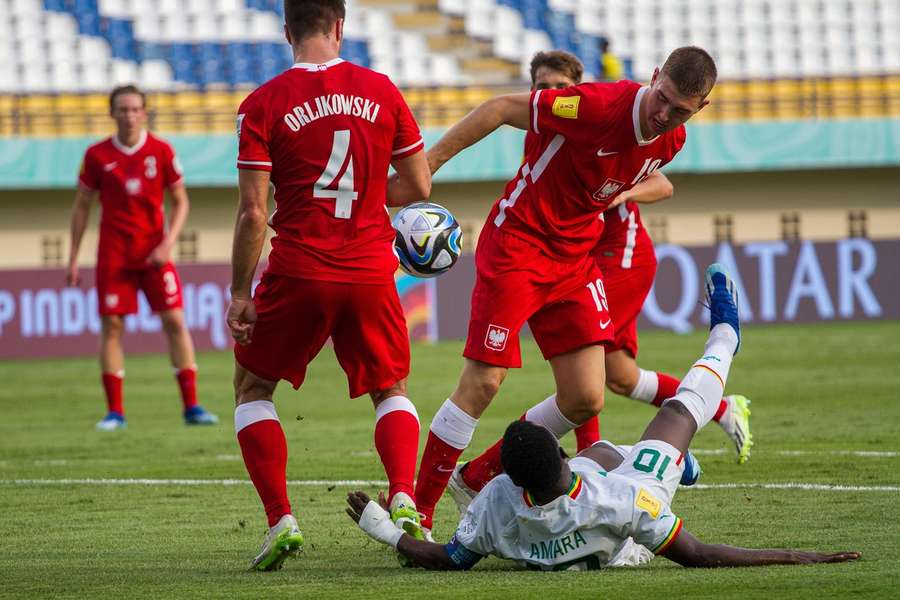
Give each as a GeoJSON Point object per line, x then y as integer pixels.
{"type": "Point", "coordinates": [778, 282]}
{"type": "Point", "coordinates": [40, 317]}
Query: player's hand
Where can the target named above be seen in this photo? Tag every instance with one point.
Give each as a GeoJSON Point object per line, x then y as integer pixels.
{"type": "Point", "coordinates": [72, 276]}
{"type": "Point", "coordinates": [356, 504]}
{"type": "Point", "coordinates": [620, 199]}
{"type": "Point", "coordinates": [161, 255]}
{"type": "Point", "coordinates": [837, 557]}
{"type": "Point", "coordinates": [241, 317]}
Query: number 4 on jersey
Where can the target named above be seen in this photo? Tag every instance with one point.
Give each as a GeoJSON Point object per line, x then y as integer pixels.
{"type": "Point", "coordinates": [344, 195]}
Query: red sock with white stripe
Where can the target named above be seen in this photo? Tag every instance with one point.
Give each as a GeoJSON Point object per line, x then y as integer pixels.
{"type": "Point", "coordinates": [450, 433]}
{"type": "Point", "coordinates": [187, 383]}
{"type": "Point", "coordinates": [653, 387]}
{"type": "Point", "coordinates": [488, 465]}
{"type": "Point", "coordinates": [264, 449]}
{"type": "Point", "coordinates": [397, 442]}
{"type": "Point", "coordinates": [112, 387]}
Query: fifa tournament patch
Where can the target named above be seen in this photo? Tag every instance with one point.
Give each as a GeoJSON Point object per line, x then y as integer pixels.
{"type": "Point", "coordinates": [496, 337]}
{"type": "Point", "coordinates": [566, 107]}
{"type": "Point", "coordinates": [238, 122]}
{"type": "Point", "coordinates": [648, 503]}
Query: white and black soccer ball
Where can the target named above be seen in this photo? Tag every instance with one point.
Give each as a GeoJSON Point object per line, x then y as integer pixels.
{"type": "Point", "coordinates": [428, 239]}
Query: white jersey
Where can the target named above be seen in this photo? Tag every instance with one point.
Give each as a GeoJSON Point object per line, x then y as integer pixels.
{"type": "Point", "coordinates": [615, 518]}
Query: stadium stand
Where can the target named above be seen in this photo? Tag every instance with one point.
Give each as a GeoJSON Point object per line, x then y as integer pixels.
{"type": "Point", "coordinates": [778, 59]}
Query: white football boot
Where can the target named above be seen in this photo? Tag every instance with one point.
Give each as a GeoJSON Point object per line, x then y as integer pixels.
{"type": "Point", "coordinates": [283, 540]}
{"type": "Point", "coordinates": [461, 493]}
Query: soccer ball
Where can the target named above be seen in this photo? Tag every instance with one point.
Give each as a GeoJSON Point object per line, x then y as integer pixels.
{"type": "Point", "coordinates": [428, 239]}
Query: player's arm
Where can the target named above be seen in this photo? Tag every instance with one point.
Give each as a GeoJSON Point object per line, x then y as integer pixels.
{"type": "Point", "coordinates": [655, 188]}
{"type": "Point", "coordinates": [376, 522]}
{"type": "Point", "coordinates": [512, 109]}
{"type": "Point", "coordinates": [688, 551]}
{"type": "Point", "coordinates": [179, 206]}
{"type": "Point", "coordinates": [411, 182]}
{"type": "Point", "coordinates": [249, 237]}
{"type": "Point", "coordinates": [80, 212]}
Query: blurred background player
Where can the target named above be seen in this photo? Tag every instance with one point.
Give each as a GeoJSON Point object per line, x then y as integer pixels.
{"type": "Point", "coordinates": [132, 170]}
{"type": "Point", "coordinates": [534, 261]}
{"type": "Point", "coordinates": [612, 66]}
{"type": "Point", "coordinates": [324, 134]}
{"type": "Point", "coordinates": [609, 506]}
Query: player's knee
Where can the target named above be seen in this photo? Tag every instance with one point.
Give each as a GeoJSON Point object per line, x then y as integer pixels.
{"type": "Point", "coordinates": [478, 388]}
{"type": "Point", "coordinates": [593, 400]}
{"type": "Point", "coordinates": [172, 323]}
{"type": "Point", "coordinates": [112, 326]}
{"type": "Point", "coordinates": [676, 409]}
{"type": "Point", "coordinates": [398, 389]}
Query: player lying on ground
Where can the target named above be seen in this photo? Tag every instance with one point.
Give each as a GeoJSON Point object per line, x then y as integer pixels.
{"type": "Point", "coordinates": [602, 508]}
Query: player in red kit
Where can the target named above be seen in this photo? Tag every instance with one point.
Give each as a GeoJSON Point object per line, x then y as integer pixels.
{"type": "Point", "coordinates": [533, 259]}
{"type": "Point", "coordinates": [131, 171]}
{"type": "Point", "coordinates": [324, 133]}
{"type": "Point", "coordinates": [627, 260]}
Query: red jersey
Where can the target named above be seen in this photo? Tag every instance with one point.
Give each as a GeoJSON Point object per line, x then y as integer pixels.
{"type": "Point", "coordinates": [624, 242]}
{"type": "Point", "coordinates": [328, 134]}
{"type": "Point", "coordinates": [588, 149]}
{"type": "Point", "coordinates": [132, 182]}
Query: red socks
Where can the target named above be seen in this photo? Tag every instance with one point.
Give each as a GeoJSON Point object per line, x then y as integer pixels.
{"type": "Point", "coordinates": [397, 442]}
{"type": "Point", "coordinates": [264, 449]}
{"type": "Point", "coordinates": [187, 383]}
{"type": "Point", "coordinates": [479, 471]}
{"type": "Point", "coordinates": [438, 463]}
{"type": "Point", "coordinates": [112, 386]}
{"type": "Point", "coordinates": [667, 388]}
{"type": "Point", "coordinates": [588, 433]}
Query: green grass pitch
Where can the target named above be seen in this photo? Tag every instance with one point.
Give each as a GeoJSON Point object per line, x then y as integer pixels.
{"type": "Point", "coordinates": [826, 409]}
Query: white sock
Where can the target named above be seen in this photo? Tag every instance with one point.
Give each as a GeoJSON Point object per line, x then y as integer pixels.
{"type": "Point", "coordinates": [547, 413]}
{"type": "Point", "coordinates": [453, 425]}
{"type": "Point", "coordinates": [701, 389]}
{"type": "Point", "coordinates": [252, 412]}
{"type": "Point", "coordinates": [646, 387]}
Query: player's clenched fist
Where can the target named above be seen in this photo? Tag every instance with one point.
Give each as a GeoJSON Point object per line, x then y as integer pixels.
{"type": "Point", "coordinates": [241, 317]}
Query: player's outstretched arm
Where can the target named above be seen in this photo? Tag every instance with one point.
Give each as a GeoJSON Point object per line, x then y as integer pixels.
{"type": "Point", "coordinates": [80, 212]}
{"type": "Point", "coordinates": [411, 182]}
{"type": "Point", "coordinates": [512, 109]}
{"type": "Point", "coordinates": [375, 520]}
{"type": "Point", "coordinates": [655, 188]}
{"type": "Point", "coordinates": [688, 551]}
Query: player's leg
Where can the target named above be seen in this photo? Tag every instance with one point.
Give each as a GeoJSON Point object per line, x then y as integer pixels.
{"type": "Point", "coordinates": [264, 449]}
{"type": "Point", "coordinates": [112, 366]}
{"type": "Point", "coordinates": [371, 342]}
{"type": "Point", "coordinates": [116, 297]}
{"type": "Point", "coordinates": [503, 298]}
{"type": "Point", "coordinates": [569, 330]}
{"type": "Point", "coordinates": [700, 392]}
{"type": "Point", "coordinates": [162, 287]}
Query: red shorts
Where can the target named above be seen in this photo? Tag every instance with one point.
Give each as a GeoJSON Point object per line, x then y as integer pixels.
{"type": "Point", "coordinates": [564, 303]}
{"type": "Point", "coordinates": [295, 317]}
{"type": "Point", "coordinates": [117, 288]}
{"type": "Point", "coordinates": [626, 290]}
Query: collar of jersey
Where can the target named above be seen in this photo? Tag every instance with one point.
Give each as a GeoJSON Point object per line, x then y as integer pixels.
{"type": "Point", "coordinates": [574, 490]}
{"type": "Point", "coordinates": [312, 67]}
{"type": "Point", "coordinates": [129, 150]}
{"type": "Point", "coordinates": [636, 118]}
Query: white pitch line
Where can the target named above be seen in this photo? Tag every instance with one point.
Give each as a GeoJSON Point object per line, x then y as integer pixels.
{"type": "Point", "coordinates": [857, 453]}
{"type": "Point", "coordinates": [377, 483]}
